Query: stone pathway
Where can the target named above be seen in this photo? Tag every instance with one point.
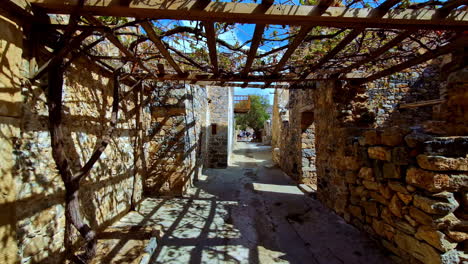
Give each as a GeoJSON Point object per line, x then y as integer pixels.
{"type": "Point", "coordinates": [250, 213]}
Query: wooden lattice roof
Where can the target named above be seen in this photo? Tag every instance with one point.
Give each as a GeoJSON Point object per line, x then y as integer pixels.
{"type": "Point", "coordinates": [436, 29]}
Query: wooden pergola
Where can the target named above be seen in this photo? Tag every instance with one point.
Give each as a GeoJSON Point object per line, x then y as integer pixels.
{"type": "Point", "coordinates": [84, 31]}
{"type": "Point", "coordinates": [450, 17]}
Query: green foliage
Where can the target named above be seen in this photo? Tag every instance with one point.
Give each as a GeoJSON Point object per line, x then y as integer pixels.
{"type": "Point", "coordinates": [257, 114]}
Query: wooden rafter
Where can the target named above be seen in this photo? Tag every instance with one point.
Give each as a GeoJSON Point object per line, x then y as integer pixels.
{"type": "Point", "coordinates": [160, 45]}
{"type": "Point", "coordinates": [321, 8]}
{"type": "Point", "coordinates": [211, 42]}
{"type": "Point", "coordinates": [442, 13]}
{"type": "Point", "coordinates": [196, 77]}
{"type": "Point", "coordinates": [256, 40]}
{"type": "Point", "coordinates": [376, 53]}
{"type": "Point", "coordinates": [380, 11]}
{"type": "Point", "coordinates": [114, 40]}
{"type": "Point", "coordinates": [254, 13]}
{"type": "Point", "coordinates": [458, 43]}
{"type": "Point", "coordinates": [60, 54]}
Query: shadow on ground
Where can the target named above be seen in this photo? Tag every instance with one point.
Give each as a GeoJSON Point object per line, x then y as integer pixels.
{"type": "Point", "coordinates": [250, 212]}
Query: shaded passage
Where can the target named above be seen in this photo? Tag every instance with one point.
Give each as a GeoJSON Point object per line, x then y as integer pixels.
{"type": "Point", "coordinates": [250, 212]}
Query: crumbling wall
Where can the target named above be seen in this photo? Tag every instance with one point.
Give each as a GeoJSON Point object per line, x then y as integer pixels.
{"type": "Point", "coordinates": [294, 147]}
{"type": "Point", "coordinates": [405, 187]}
{"type": "Point", "coordinates": [386, 169]}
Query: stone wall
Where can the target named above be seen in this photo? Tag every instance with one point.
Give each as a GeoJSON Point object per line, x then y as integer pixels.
{"type": "Point", "coordinates": [387, 170]}
{"type": "Point", "coordinates": [410, 192]}
{"type": "Point", "coordinates": [403, 186]}
{"type": "Point", "coordinates": [11, 65]}
{"type": "Point", "coordinates": [221, 131]}
{"type": "Point", "coordinates": [33, 228]}
{"type": "Point", "coordinates": [107, 192]}
{"type": "Point", "coordinates": [293, 134]}
{"type": "Point", "coordinates": [174, 140]}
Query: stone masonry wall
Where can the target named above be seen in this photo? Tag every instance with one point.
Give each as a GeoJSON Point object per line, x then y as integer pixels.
{"type": "Point", "coordinates": [32, 228]}
{"type": "Point", "coordinates": [294, 150]}
{"type": "Point", "coordinates": [403, 186]}
{"type": "Point", "coordinates": [174, 140]}
{"type": "Point", "coordinates": [11, 72]}
{"type": "Point", "coordinates": [107, 193]}
{"type": "Point", "coordinates": [221, 130]}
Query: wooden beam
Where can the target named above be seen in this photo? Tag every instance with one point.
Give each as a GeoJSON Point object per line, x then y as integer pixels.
{"type": "Point", "coordinates": [114, 40]}
{"type": "Point", "coordinates": [252, 13]}
{"type": "Point", "coordinates": [262, 86]}
{"type": "Point", "coordinates": [160, 45]}
{"type": "Point", "coordinates": [256, 40]}
{"type": "Point", "coordinates": [60, 54]}
{"type": "Point", "coordinates": [196, 77]}
{"type": "Point", "coordinates": [376, 53]}
{"type": "Point", "coordinates": [321, 8]}
{"type": "Point", "coordinates": [458, 43]}
{"type": "Point", "coordinates": [442, 13]}
{"type": "Point", "coordinates": [421, 103]}
{"type": "Point", "coordinates": [378, 12]}
{"type": "Point", "coordinates": [211, 41]}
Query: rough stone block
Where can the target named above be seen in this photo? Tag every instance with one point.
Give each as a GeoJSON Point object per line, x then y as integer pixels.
{"type": "Point", "coordinates": [350, 177]}
{"type": "Point", "coordinates": [401, 156]}
{"type": "Point", "coordinates": [424, 252]}
{"type": "Point", "coordinates": [366, 173]}
{"type": "Point", "coordinates": [440, 204]}
{"type": "Point", "coordinates": [371, 185]}
{"type": "Point", "coordinates": [416, 139]}
{"type": "Point", "coordinates": [385, 191]}
{"type": "Point", "coordinates": [351, 163]}
{"type": "Point", "coordinates": [380, 153]}
{"type": "Point", "coordinates": [392, 136]}
{"type": "Point", "coordinates": [379, 198]}
{"type": "Point", "coordinates": [436, 182]}
{"type": "Point", "coordinates": [356, 211]}
{"type": "Point", "coordinates": [406, 198]}
{"type": "Point", "coordinates": [370, 208]}
{"type": "Point", "coordinates": [457, 236]}
{"type": "Point", "coordinates": [404, 227]}
{"type": "Point", "coordinates": [435, 238]}
{"type": "Point", "coordinates": [378, 227]}
{"type": "Point", "coordinates": [371, 137]}
{"type": "Point", "coordinates": [439, 163]}
{"type": "Point", "coordinates": [396, 206]}
{"type": "Point", "coordinates": [11, 48]}
{"type": "Point", "coordinates": [397, 187]}
{"type": "Point", "coordinates": [391, 171]}
{"type": "Point", "coordinates": [438, 222]}
{"type": "Point", "coordinates": [447, 146]}
{"type": "Point", "coordinates": [387, 216]}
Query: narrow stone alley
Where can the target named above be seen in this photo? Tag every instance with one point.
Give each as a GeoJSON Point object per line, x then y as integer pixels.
{"type": "Point", "coordinates": [250, 212]}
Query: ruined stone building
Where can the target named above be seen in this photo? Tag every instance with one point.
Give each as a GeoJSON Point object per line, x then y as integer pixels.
{"type": "Point", "coordinates": [119, 146]}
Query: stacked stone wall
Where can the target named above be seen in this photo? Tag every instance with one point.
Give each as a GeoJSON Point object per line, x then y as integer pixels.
{"type": "Point", "coordinates": [221, 131]}
{"type": "Point", "coordinates": [173, 137]}
{"type": "Point", "coordinates": [403, 186]}
{"type": "Point", "coordinates": [33, 228]}
{"type": "Point", "coordinates": [293, 136]}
